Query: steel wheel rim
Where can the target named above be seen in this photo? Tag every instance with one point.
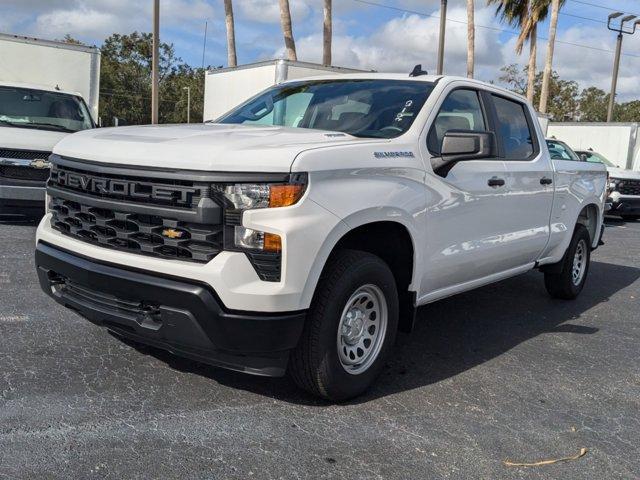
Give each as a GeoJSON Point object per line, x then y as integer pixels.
{"type": "Point", "coordinates": [579, 263]}
{"type": "Point", "coordinates": [362, 329]}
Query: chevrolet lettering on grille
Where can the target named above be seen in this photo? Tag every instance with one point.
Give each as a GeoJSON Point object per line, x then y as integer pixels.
{"type": "Point", "coordinates": [125, 188]}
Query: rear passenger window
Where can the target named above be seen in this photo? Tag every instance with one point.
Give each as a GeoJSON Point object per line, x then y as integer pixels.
{"type": "Point", "coordinates": [513, 128]}
{"type": "Point", "coordinates": [461, 110]}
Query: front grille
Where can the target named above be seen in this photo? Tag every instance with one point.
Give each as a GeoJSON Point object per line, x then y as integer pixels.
{"type": "Point", "coordinates": [23, 154]}
{"type": "Point", "coordinates": [630, 187]}
{"type": "Point", "coordinates": [139, 233]}
{"type": "Point", "coordinates": [161, 217]}
{"type": "Point", "coordinates": [24, 173]}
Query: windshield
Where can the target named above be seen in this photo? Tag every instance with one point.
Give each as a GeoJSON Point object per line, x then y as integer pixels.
{"type": "Point", "coordinates": [561, 151]}
{"type": "Point", "coordinates": [363, 108]}
{"type": "Point", "coordinates": [28, 108]}
{"type": "Point", "coordinates": [596, 158]}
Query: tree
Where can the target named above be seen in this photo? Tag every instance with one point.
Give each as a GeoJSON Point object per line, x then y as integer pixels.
{"type": "Point", "coordinates": [125, 81]}
{"type": "Point", "coordinates": [71, 40]}
{"type": "Point", "coordinates": [546, 78]}
{"type": "Point", "coordinates": [593, 105]}
{"type": "Point", "coordinates": [525, 15]}
{"type": "Point", "coordinates": [471, 38]}
{"type": "Point", "coordinates": [287, 31]}
{"type": "Point", "coordinates": [564, 95]}
{"type": "Point", "coordinates": [231, 35]}
{"type": "Point", "coordinates": [628, 112]}
{"type": "Point", "coordinates": [327, 32]}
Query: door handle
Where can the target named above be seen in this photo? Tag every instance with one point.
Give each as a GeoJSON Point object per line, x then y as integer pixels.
{"type": "Point", "coordinates": [546, 181]}
{"type": "Point", "coordinates": [495, 182]}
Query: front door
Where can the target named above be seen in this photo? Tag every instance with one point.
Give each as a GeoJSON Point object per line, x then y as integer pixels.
{"type": "Point", "coordinates": [465, 230]}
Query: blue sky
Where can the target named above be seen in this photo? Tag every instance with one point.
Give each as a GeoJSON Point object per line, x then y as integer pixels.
{"type": "Point", "coordinates": [366, 35]}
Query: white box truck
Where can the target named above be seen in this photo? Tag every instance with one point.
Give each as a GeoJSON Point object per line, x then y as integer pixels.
{"type": "Point", "coordinates": [225, 88]}
{"type": "Point", "coordinates": [618, 142]}
{"type": "Point", "coordinates": [47, 91]}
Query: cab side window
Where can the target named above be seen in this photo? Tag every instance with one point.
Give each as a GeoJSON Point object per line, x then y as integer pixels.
{"type": "Point", "coordinates": [513, 128]}
{"type": "Point", "coordinates": [461, 110]}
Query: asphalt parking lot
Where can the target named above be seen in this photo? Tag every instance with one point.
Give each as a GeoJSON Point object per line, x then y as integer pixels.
{"type": "Point", "coordinates": [503, 372]}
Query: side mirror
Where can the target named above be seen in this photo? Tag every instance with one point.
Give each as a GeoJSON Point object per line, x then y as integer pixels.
{"type": "Point", "coordinates": [463, 145]}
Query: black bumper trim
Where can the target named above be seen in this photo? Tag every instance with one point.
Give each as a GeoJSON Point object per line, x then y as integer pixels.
{"type": "Point", "coordinates": [184, 318]}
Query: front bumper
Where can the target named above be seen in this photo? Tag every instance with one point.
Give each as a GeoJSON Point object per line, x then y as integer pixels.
{"type": "Point", "coordinates": [181, 317]}
{"type": "Point", "coordinates": [18, 196]}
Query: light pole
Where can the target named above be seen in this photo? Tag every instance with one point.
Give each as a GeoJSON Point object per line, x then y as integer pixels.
{"type": "Point", "coordinates": [443, 22]}
{"type": "Point", "coordinates": [616, 61]}
{"type": "Point", "coordinates": [188, 89]}
{"type": "Point", "coordinates": [155, 62]}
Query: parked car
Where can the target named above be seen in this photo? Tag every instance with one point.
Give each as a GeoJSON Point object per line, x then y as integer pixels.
{"type": "Point", "coordinates": [624, 186]}
{"type": "Point", "coordinates": [302, 231]}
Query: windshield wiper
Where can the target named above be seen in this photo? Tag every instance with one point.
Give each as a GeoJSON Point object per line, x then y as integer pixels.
{"type": "Point", "coordinates": [51, 125]}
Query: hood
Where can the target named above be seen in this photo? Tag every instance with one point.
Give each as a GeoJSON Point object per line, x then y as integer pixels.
{"type": "Point", "coordinates": [623, 173]}
{"type": "Point", "coordinates": [210, 147]}
{"type": "Point", "coordinates": [29, 138]}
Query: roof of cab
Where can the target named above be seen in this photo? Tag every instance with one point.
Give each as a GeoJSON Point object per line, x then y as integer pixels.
{"type": "Point", "coordinates": [405, 76]}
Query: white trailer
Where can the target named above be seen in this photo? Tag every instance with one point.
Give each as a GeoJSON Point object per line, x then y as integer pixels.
{"type": "Point", "coordinates": [225, 88]}
{"type": "Point", "coordinates": [618, 142]}
{"type": "Point", "coordinates": [64, 66]}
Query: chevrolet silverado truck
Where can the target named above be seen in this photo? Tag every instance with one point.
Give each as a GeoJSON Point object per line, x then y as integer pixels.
{"type": "Point", "coordinates": [301, 230]}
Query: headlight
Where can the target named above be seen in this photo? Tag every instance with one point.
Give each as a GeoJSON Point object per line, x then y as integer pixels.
{"type": "Point", "coordinates": [240, 197]}
{"type": "Point", "coordinates": [247, 196]}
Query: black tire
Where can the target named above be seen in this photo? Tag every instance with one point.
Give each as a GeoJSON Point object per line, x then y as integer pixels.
{"type": "Point", "coordinates": [315, 364]}
{"type": "Point", "coordinates": [562, 284]}
{"type": "Point", "coordinates": [630, 218]}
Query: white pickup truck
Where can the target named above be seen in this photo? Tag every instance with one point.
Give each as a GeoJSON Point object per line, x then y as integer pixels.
{"type": "Point", "coordinates": [33, 118]}
{"type": "Point", "coordinates": [299, 232]}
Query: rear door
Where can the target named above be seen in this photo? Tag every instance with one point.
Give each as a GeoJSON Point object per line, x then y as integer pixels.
{"type": "Point", "coordinates": [529, 188]}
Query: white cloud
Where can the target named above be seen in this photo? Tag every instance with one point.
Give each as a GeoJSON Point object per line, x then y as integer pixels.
{"type": "Point", "coordinates": [95, 19]}
{"type": "Point", "coordinates": [588, 66]}
{"type": "Point", "coordinates": [78, 22]}
{"type": "Point", "coordinates": [268, 11]}
{"type": "Point", "coordinates": [405, 41]}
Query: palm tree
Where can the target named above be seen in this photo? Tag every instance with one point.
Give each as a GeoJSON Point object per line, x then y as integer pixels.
{"type": "Point", "coordinates": [526, 15]}
{"type": "Point", "coordinates": [471, 38]}
{"type": "Point", "coordinates": [231, 34]}
{"type": "Point", "coordinates": [546, 76]}
{"type": "Point", "coordinates": [285, 21]}
{"type": "Point", "coordinates": [327, 33]}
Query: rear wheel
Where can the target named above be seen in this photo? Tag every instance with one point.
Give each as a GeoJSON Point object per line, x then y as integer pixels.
{"type": "Point", "coordinates": [569, 281]}
{"type": "Point", "coordinates": [350, 328]}
{"type": "Point", "coordinates": [630, 218]}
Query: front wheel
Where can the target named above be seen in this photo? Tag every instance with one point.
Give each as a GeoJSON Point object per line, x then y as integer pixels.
{"type": "Point", "coordinates": [569, 281]}
{"type": "Point", "coordinates": [350, 328]}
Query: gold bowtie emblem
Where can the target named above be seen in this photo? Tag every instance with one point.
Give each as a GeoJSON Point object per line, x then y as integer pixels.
{"type": "Point", "coordinates": [172, 233]}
